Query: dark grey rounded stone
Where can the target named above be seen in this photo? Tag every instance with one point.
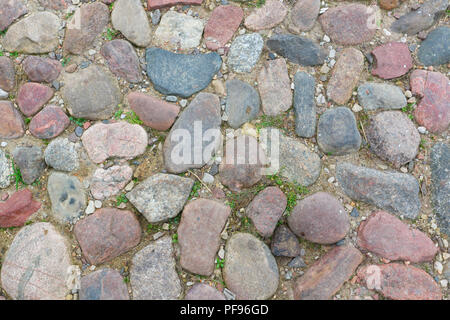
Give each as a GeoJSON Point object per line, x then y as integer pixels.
{"type": "Point", "coordinates": [30, 161]}
{"type": "Point", "coordinates": [435, 50]}
{"type": "Point", "coordinates": [304, 105]}
{"type": "Point", "coordinates": [242, 103]}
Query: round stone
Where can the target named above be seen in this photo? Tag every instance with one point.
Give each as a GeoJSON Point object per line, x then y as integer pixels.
{"type": "Point", "coordinates": [244, 52]}
{"type": "Point", "coordinates": [61, 155]}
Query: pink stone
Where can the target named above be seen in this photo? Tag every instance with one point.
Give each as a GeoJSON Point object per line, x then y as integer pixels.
{"type": "Point", "coordinates": [433, 110]}
{"type": "Point", "coordinates": [49, 123]}
{"type": "Point", "coordinates": [392, 60]}
{"type": "Point", "coordinates": [32, 97]}
{"type": "Point", "coordinates": [109, 182]}
{"type": "Point", "coordinates": [7, 74]}
{"type": "Point", "coordinates": [41, 69]}
{"type": "Point", "coordinates": [266, 17]}
{"type": "Point", "coordinates": [158, 4]}
{"type": "Point", "coordinates": [303, 15]}
{"type": "Point", "coordinates": [201, 291]}
{"type": "Point", "coordinates": [16, 210]}
{"type": "Point", "coordinates": [10, 10]}
{"type": "Point", "coordinates": [222, 24]}
{"type": "Point", "coordinates": [11, 122]}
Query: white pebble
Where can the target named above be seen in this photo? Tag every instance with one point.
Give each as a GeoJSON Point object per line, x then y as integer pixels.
{"type": "Point", "coordinates": [207, 178]}
{"type": "Point", "coordinates": [98, 204]}
{"type": "Point", "coordinates": [422, 130]}
{"type": "Point", "coordinates": [4, 144]}
{"type": "Point", "coordinates": [438, 267]}
{"type": "Point", "coordinates": [90, 208]}
{"type": "Point", "coordinates": [357, 108]}
{"type": "Point", "coordinates": [326, 38]}
{"type": "Point", "coordinates": [331, 180]}
{"type": "Point", "coordinates": [332, 53]}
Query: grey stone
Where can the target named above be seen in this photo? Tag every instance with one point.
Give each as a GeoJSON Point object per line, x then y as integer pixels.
{"type": "Point", "coordinates": [61, 155]}
{"type": "Point", "coordinates": [105, 284]}
{"type": "Point", "coordinates": [242, 104]}
{"type": "Point", "coordinates": [201, 291]}
{"type": "Point", "coordinates": [391, 191]}
{"type": "Point", "coordinates": [161, 196]}
{"type": "Point", "coordinates": [244, 52]}
{"type": "Point", "coordinates": [285, 243]}
{"type": "Point", "coordinates": [435, 50]}
{"type": "Point", "coordinates": [304, 105]}
{"type": "Point", "coordinates": [5, 171]}
{"type": "Point", "coordinates": [181, 74]}
{"type": "Point", "coordinates": [374, 96]}
{"type": "Point", "coordinates": [30, 161]}
{"type": "Point", "coordinates": [153, 275]}
{"type": "Point", "coordinates": [297, 262]}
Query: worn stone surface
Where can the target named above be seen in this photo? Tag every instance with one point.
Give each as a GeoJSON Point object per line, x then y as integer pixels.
{"type": "Point", "coordinates": [393, 137]}
{"type": "Point", "coordinates": [266, 209]}
{"type": "Point", "coordinates": [40, 69]}
{"type": "Point", "coordinates": [119, 139]}
{"type": "Point", "coordinates": [250, 270]}
{"type": "Point", "coordinates": [161, 196]}
{"type": "Point", "coordinates": [433, 110]}
{"type": "Point", "coordinates": [11, 122]}
{"type": "Point", "coordinates": [107, 234]}
{"type": "Point", "coordinates": [11, 10]}
{"type": "Point", "coordinates": [222, 24]}
{"type": "Point", "coordinates": [274, 87]}
{"type": "Point", "coordinates": [303, 15]}
{"type": "Point", "coordinates": [181, 74]}
{"type": "Point", "coordinates": [244, 52]}
{"type": "Point", "coordinates": [104, 284]}
{"type": "Point", "coordinates": [390, 238]}
{"type": "Point", "coordinates": [345, 75]}
{"type": "Point", "coordinates": [284, 243]}
{"type": "Point", "coordinates": [32, 97]}
{"type": "Point", "coordinates": [325, 277]}
{"type": "Point", "coordinates": [435, 50]}
{"type": "Point", "coordinates": [106, 183]}
{"type": "Point", "coordinates": [61, 154]}
{"type": "Point", "coordinates": [122, 60]}
{"type": "Point", "coordinates": [350, 24]}
{"type": "Point", "coordinates": [38, 254]}
{"type": "Point", "coordinates": [391, 191]}
{"type": "Point", "coordinates": [30, 161]}
{"type": "Point", "coordinates": [337, 132]}
{"type": "Point", "coordinates": [91, 93]}
{"type": "Point", "coordinates": [400, 282]}
{"type": "Point", "coordinates": [297, 49]}
{"type": "Point", "coordinates": [5, 171]}
{"type": "Point", "coordinates": [268, 16]}
{"type": "Point", "coordinates": [201, 291]}
{"type": "Point", "coordinates": [153, 275]}
{"type": "Point", "coordinates": [153, 112]}
{"type": "Point", "coordinates": [15, 211]}
{"type": "Point", "coordinates": [242, 104]}
{"type": "Point", "coordinates": [67, 197]}
{"type": "Point", "coordinates": [440, 177]}
{"type": "Point", "coordinates": [392, 60]}
{"type": "Point", "coordinates": [202, 222]}
{"type": "Point", "coordinates": [380, 96]}
{"type": "Point", "coordinates": [7, 74]}
{"type": "Point", "coordinates": [55, 4]}
{"type": "Point", "coordinates": [158, 4]}
{"type": "Point", "coordinates": [50, 122]}
{"type": "Point", "coordinates": [304, 104]}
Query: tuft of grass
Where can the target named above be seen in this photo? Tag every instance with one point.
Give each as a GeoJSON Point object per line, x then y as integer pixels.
{"type": "Point", "coordinates": [78, 121]}
{"type": "Point", "coordinates": [14, 54]}
{"type": "Point", "coordinates": [270, 121]}
{"type": "Point", "coordinates": [17, 175]}
{"type": "Point", "coordinates": [195, 189]}
{"type": "Point", "coordinates": [27, 120]}
{"type": "Point", "coordinates": [126, 279]}
{"type": "Point", "coordinates": [220, 263]}
{"type": "Point", "coordinates": [121, 198]}
{"type": "Point", "coordinates": [175, 238]}
{"type": "Point", "coordinates": [257, 3]}
{"type": "Point", "coordinates": [291, 190]}
{"type": "Point", "coordinates": [69, 15]}
{"type": "Point", "coordinates": [3, 32]}
{"type": "Point", "coordinates": [153, 227]}
{"type": "Point", "coordinates": [65, 61]}
{"type": "Point", "coordinates": [110, 34]}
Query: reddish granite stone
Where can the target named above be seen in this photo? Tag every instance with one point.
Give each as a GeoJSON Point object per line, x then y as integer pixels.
{"type": "Point", "coordinates": [54, 4]}
{"type": "Point", "coordinates": [400, 282]}
{"type": "Point", "coordinates": [7, 74]}
{"type": "Point", "coordinates": [392, 60]}
{"type": "Point", "coordinates": [10, 10]}
{"type": "Point", "coordinates": [16, 210]}
{"type": "Point", "coordinates": [32, 97]}
{"type": "Point", "coordinates": [49, 123]}
{"type": "Point", "coordinates": [266, 17]}
{"type": "Point", "coordinates": [222, 24]}
{"type": "Point", "coordinates": [303, 15]}
{"type": "Point", "coordinates": [201, 291]}
{"type": "Point", "coordinates": [153, 112]}
{"type": "Point", "coordinates": [11, 122]}
{"type": "Point", "coordinates": [390, 238]}
{"type": "Point", "coordinates": [107, 233]}
{"type": "Point", "coordinates": [41, 69]}
{"type": "Point", "coordinates": [122, 60]}
{"type": "Point", "coordinates": [157, 4]}
{"type": "Point", "coordinates": [105, 284]}
{"type": "Point", "coordinates": [433, 110]}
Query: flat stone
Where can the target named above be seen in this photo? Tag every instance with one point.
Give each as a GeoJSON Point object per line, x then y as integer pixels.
{"type": "Point", "coordinates": [274, 87]}
{"type": "Point", "coordinates": [158, 4]}
{"type": "Point", "coordinates": [106, 183]}
{"type": "Point", "coordinates": [393, 137]}
{"type": "Point", "coordinates": [130, 18]}
{"type": "Point", "coordinates": [104, 284]}
{"type": "Point", "coordinates": [350, 24]}
{"type": "Point", "coordinates": [153, 275]}
{"type": "Point", "coordinates": [303, 15]}
{"type": "Point", "coordinates": [201, 291]}
{"type": "Point", "coordinates": [304, 104]}
{"type": "Point", "coordinates": [91, 93]}
{"type": "Point", "coordinates": [32, 97]}
{"type": "Point", "coordinates": [266, 209]}
{"type": "Point", "coordinates": [107, 234]}
{"type": "Point", "coordinates": [11, 10]}
{"type": "Point", "coordinates": [202, 222]}
{"type": "Point", "coordinates": [400, 282]}
{"type": "Point", "coordinates": [7, 74]}
{"type": "Point", "coordinates": [325, 277]}
{"type": "Point", "coordinates": [418, 20]}
{"type": "Point", "coordinates": [30, 161]}
{"type": "Point", "coordinates": [433, 110]}
{"type": "Point", "coordinates": [297, 49]}
{"type": "Point", "coordinates": [5, 171]}
{"type": "Point", "coordinates": [337, 132]}
{"type": "Point", "coordinates": [15, 211]}
{"type": "Point", "coordinates": [153, 112]}
{"type": "Point", "coordinates": [179, 30]}
{"type": "Point", "coordinates": [181, 74]}
{"type": "Point", "coordinates": [390, 238]}
{"type": "Point", "coordinates": [345, 75]}
{"type": "Point", "coordinates": [86, 24]}
{"type": "Point", "coordinates": [11, 122]}
{"type": "Point", "coordinates": [244, 52]}
{"type": "Point", "coordinates": [250, 270]}
{"type": "Point", "coordinates": [435, 50]}
{"type": "Point", "coordinates": [319, 218]}
{"type": "Point", "coordinates": [197, 126]}
{"type": "Point", "coordinates": [440, 178]}
{"type": "Point", "coordinates": [120, 140]}
{"type": "Point", "coordinates": [222, 24]}
{"type": "Point", "coordinates": [380, 96]}
{"type": "Point", "coordinates": [122, 60]}
{"type": "Point", "coordinates": [392, 60]}
{"type": "Point", "coordinates": [242, 104]}
{"type": "Point", "coordinates": [391, 191]}
{"type": "Point", "coordinates": [49, 123]}
{"type": "Point", "coordinates": [67, 196]}
{"type": "Point", "coordinates": [37, 33]}
{"type": "Point", "coordinates": [40, 69]}
{"type": "Point", "coordinates": [242, 165]}
{"type": "Point", "coordinates": [43, 256]}
{"type": "Point", "coordinates": [61, 154]}
{"type": "Point", "coordinates": [285, 243]}
{"type": "Point", "coordinates": [268, 16]}
{"type": "Point", "coordinates": [161, 196]}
